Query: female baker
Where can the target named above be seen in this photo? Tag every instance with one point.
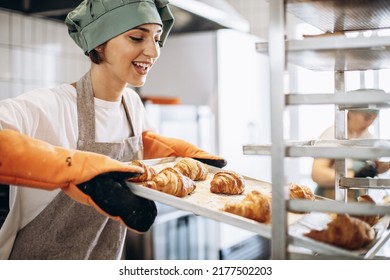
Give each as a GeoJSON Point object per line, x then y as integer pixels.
{"type": "Point", "coordinates": [70, 140]}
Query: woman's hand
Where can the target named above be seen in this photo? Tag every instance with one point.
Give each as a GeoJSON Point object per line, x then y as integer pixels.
{"type": "Point", "coordinates": [112, 195]}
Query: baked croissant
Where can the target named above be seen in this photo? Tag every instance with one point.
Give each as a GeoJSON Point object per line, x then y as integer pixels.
{"type": "Point", "coordinates": [300, 192]}
{"type": "Point", "coordinates": [227, 182]}
{"type": "Point", "coordinates": [255, 206]}
{"type": "Point", "coordinates": [193, 169]}
{"type": "Point", "coordinates": [346, 232]}
{"type": "Point", "coordinates": [148, 174]}
{"type": "Point", "coordinates": [171, 181]}
{"type": "Point", "coordinates": [371, 220]}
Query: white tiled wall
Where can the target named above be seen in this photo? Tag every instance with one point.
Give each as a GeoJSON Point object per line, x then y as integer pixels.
{"type": "Point", "coordinates": [36, 52]}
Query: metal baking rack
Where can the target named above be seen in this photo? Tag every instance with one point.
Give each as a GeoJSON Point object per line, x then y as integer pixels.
{"type": "Point", "coordinates": [337, 53]}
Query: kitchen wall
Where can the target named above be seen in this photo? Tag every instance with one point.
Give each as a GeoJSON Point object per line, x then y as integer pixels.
{"type": "Point", "coordinates": [256, 13]}
{"type": "Point", "coordinates": [36, 52]}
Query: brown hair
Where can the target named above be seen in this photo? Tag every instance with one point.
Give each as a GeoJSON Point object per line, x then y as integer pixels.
{"type": "Point", "coordinates": [96, 55]}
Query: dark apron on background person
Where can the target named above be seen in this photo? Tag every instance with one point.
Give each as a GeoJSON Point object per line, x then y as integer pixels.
{"type": "Point", "coordinates": [66, 229]}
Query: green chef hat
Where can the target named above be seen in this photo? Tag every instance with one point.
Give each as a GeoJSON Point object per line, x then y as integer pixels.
{"type": "Point", "coordinates": [94, 22]}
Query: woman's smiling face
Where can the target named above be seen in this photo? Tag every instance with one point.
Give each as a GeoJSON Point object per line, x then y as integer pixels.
{"type": "Point", "coordinates": [129, 56]}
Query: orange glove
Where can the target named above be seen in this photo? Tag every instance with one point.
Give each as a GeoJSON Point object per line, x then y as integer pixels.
{"type": "Point", "coordinates": [157, 146]}
{"type": "Point", "coordinates": [88, 178]}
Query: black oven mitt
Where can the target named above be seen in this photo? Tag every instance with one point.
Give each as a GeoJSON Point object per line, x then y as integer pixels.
{"type": "Point", "coordinates": [369, 170]}
{"type": "Point", "coordinates": [112, 194]}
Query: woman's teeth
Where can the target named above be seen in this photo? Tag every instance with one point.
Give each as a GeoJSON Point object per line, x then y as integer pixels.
{"type": "Point", "coordinates": [143, 65]}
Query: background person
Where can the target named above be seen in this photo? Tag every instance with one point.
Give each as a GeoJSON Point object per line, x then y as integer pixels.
{"type": "Point", "coordinates": [323, 172]}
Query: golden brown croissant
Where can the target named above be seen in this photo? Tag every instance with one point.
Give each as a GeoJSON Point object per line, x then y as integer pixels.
{"type": "Point", "coordinates": [300, 192]}
{"type": "Point", "coordinates": [255, 206]}
{"type": "Point", "coordinates": [171, 181]}
{"type": "Point", "coordinates": [227, 182]}
{"type": "Point", "coordinates": [193, 169]}
{"type": "Point", "coordinates": [148, 174]}
{"type": "Point", "coordinates": [371, 220]}
{"type": "Point", "coordinates": [346, 232]}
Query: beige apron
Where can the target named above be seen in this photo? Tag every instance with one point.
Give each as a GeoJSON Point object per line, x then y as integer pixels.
{"type": "Point", "coordinates": [66, 229]}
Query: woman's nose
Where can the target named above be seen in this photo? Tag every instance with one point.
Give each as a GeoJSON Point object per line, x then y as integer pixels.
{"type": "Point", "coordinates": [152, 49]}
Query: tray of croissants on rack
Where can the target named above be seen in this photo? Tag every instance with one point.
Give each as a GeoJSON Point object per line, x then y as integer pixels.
{"type": "Point", "coordinates": [229, 197]}
{"type": "Point", "coordinates": [351, 236]}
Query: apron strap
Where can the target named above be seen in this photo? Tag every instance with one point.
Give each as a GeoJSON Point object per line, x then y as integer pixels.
{"type": "Point", "coordinates": [85, 107]}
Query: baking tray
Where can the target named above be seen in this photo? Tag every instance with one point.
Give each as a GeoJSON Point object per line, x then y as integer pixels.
{"type": "Point", "coordinates": [319, 221]}
{"type": "Point", "coordinates": [204, 203]}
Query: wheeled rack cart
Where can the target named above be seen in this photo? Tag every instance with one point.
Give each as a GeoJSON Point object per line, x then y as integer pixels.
{"type": "Point", "coordinates": [327, 53]}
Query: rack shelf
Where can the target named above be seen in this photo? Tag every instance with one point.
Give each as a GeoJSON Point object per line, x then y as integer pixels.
{"type": "Point", "coordinates": [364, 183]}
{"type": "Point", "coordinates": [336, 149]}
{"type": "Point", "coordinates": [333, 206]}
{"type": "Point", "coordinates": [342, 15]}
{"type": "Point", "coordinates": [370, 99]}
{"type": "Point", "coordinates": [337, 53]}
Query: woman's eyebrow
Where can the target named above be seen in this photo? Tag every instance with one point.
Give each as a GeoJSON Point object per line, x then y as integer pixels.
{"type": "Point", "coordinates": [146, 30]}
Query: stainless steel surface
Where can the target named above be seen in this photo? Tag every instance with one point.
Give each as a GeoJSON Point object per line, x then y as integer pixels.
{"type": "Point", "coordinates": [341, 15]}
{"type": "Point", "coordinates": [277, 67]}
{"type": "Point", "coordinates": [332, 43]}
{"type": "Point", "coordinates": [317, 256]}
{"type": "Point", "coordinates": [365, 183]}
{"type": "Point", "coordinates": [336, 149]}
{"type": "Point", "coordinates": [337, 53]}
{"type": "Point", "coordinates": [203, 15]}
{"type": "Point", "coordinates": [373, 99]}
{"type": "Point", "coordinates": [355, 208]}
{"type": "Point", "coordinates": [340, 124]}
{"type": "Point", "coordinates": [338, 152]}
{"type": "Point", "coordinates": [190, 15]}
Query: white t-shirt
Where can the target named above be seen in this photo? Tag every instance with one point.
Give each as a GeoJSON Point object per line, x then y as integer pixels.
{"type": "Point", "coordinates": [51, 115]}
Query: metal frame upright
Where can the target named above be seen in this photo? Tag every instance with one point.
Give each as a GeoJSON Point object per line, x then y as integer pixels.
{"type": "Point", "coordinates": [277, 53]}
